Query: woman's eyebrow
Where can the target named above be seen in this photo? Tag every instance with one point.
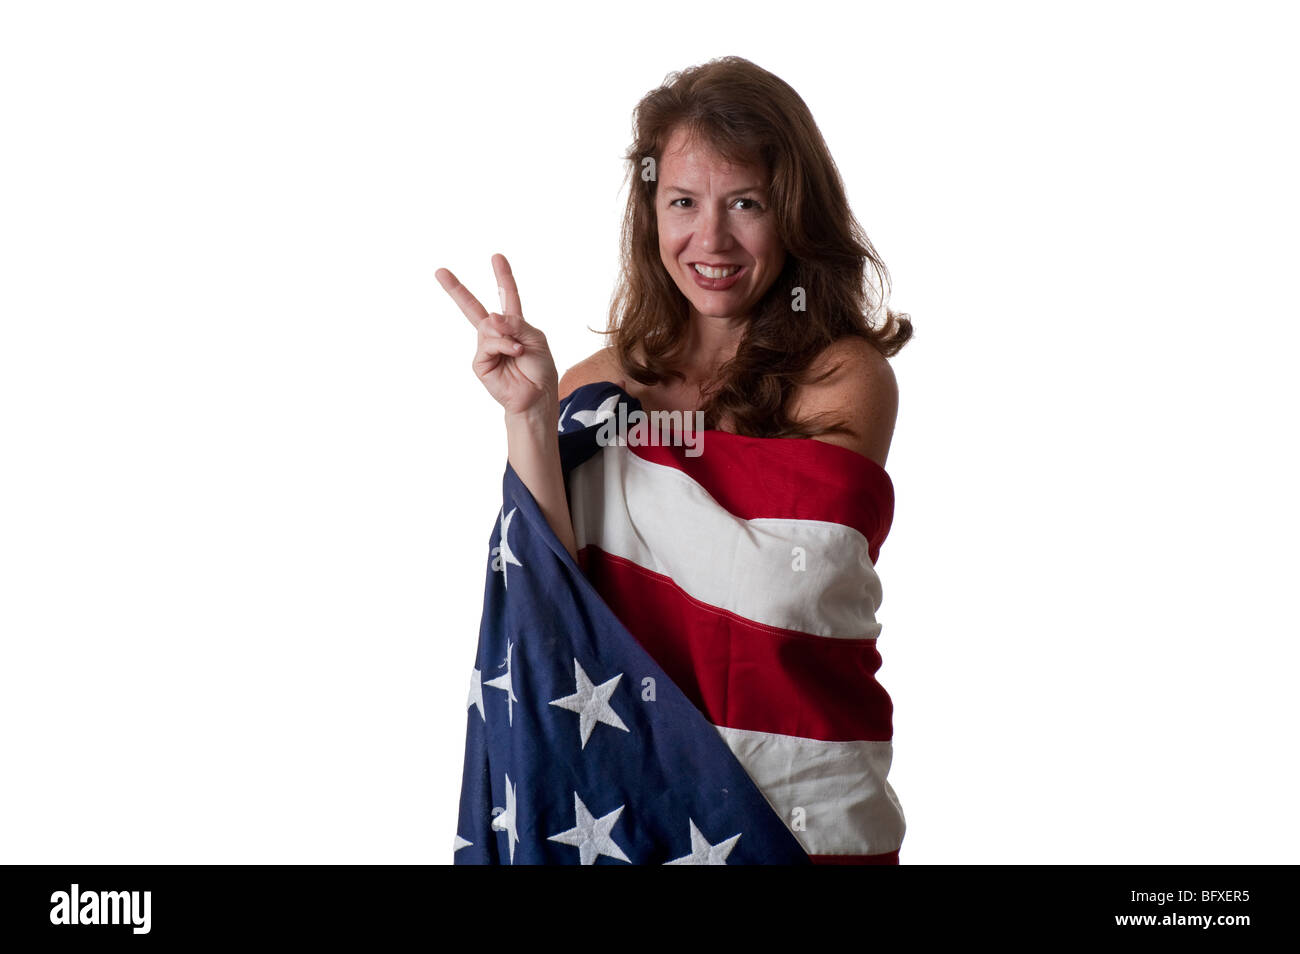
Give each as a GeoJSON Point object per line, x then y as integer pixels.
{"type": "Point", "coordinates": [748, 188]}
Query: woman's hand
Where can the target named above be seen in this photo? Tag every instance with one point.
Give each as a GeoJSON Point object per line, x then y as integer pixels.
{"type": "Point", "coordinates": [513, 359]}
{"type": "Point", "coordinates": [514, 363]}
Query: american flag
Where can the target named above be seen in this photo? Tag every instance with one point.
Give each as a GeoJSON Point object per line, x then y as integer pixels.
{"type": "Point", "coordinates": [699, 688]}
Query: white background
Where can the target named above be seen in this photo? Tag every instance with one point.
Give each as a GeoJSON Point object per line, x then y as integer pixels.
{"type": "Point", "coordinates": [249, 478]}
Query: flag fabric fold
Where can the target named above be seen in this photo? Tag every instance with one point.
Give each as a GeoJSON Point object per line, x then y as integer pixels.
{"type": "Point", "coordinates": [699, 687]}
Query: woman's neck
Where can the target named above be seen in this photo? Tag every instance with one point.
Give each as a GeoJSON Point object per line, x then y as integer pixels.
{"type": "Point", "coordinates": [710, 342]}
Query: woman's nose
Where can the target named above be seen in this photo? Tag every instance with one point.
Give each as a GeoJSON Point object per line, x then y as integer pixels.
{"type": "Point", "coordinates": [712, 229]}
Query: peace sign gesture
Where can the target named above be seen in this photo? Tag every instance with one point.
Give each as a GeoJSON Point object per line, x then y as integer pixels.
{"type": "Point", "coordinates": [513, 359]}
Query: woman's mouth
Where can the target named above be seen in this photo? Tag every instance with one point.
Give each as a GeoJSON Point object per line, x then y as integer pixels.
{"type": "Point", "coordinates": [716, 277]}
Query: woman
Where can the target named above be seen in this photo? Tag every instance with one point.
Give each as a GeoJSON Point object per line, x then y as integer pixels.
{"type": "Point", "coordinates": [743, 297]}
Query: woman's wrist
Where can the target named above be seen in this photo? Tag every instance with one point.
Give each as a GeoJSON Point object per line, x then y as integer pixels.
{"type": "Point", "coordinates": [544, 412]}
{"type": "Point", "coordinates": [540, 420]}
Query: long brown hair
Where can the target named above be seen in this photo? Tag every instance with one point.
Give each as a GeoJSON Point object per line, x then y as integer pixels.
{"type": "Point", "coordinates": [748, 115]}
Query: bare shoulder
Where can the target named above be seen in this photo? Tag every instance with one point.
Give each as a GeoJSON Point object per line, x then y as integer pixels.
{"type": "Point", "coordinates": [601, 366]}
{"type": "Point", "coordinates": [862, 391]}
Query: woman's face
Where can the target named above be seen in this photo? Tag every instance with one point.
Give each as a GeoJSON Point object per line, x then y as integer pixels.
{"type": "Point", "coordinates": [712, 213]}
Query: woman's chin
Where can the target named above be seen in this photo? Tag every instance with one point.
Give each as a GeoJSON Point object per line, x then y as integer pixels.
{"type": "Point", "coordinates": [714, 309]}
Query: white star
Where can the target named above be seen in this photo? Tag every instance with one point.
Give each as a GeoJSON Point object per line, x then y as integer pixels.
{"type": "Point", "coordinates": [591, 835]}
{"type": "Point", "coordinates": [564, 410]}
{"type": "Point", "coordinates": [505, 820]}
{"type": "Point", "coordinates": [702, 853]}
{"type": "Point", "coordinates": [502, 555]}
{"type": "Point", "coordinates": [476, 692]}
{"type": "Point", "coordinates": [591, 703]}
{"type": "Point", "coordinates": [588, 418]}
{"type": "Point", "coordinates": [459, 843]}
{"type": "Point", "coordinates": [504, 682]}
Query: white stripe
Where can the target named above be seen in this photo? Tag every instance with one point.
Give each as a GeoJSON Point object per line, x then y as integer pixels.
{"type": "Point", "coordinates": [663, 520]}
{"type": "Point", "coordinates": [837, 791]}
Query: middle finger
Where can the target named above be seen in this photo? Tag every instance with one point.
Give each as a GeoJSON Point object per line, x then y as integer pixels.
{"type": "Point", "coordinates": [462, 296]}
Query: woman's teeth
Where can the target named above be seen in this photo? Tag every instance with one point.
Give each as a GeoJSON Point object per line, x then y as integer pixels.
{"type": "Point", "coordinates": [717, 272]}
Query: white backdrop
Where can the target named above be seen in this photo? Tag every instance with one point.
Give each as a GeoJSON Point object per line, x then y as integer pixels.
{"type": "Point", "coordinates": [249, 476]}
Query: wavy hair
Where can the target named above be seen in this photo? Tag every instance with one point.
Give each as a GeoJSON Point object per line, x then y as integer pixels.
{"type": "Point", "coordinates": [750, 116]}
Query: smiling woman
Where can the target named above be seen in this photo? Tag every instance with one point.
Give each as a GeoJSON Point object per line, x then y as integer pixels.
{"type": "Point", "coordinates": [717, 235]}
{"type": "Point", "coordinates": [746, 277]}
{"type": "Point", "coordinates": [732, 580]}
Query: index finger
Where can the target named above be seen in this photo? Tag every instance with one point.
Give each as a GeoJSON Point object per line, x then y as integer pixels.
{"type": "Point", "coordinates": [462, 296]}
{"type": "Point", "coordinates": [506, 287]}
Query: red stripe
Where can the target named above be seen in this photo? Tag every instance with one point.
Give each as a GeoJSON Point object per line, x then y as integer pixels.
{"type": "Point", "coordinates": [742, 674]}
{"type": "Point", "coordinates": [788, 478]}
{"type": "Point", "coordinates": [888, 858]}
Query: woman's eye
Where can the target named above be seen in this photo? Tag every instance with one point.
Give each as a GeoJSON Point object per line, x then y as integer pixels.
{"type": "Point", "coordinates": [754, 204]}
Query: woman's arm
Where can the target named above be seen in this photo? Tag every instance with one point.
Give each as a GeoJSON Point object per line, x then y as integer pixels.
{"type": "Point", "coordinates": [514, 363]}
{"type": "Point", "coordinates": [533, 446]}
{"type": "Point", "coordinates": [863, 391]}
